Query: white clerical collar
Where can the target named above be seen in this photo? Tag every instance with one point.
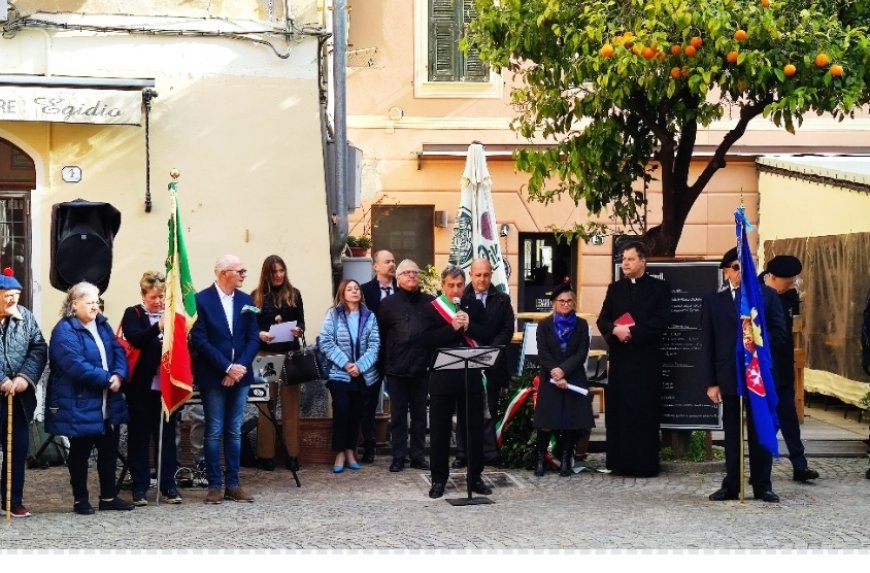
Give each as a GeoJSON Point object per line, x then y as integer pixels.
{"type": "Point", "coordinates": [633, 281]}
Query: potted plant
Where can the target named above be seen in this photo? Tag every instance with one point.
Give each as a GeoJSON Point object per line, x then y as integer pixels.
{"type": "Point", "coordinates": [358, 245]}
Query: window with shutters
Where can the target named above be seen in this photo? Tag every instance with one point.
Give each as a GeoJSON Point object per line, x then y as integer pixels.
{"type": "Point", "coordinates": [442, 69]}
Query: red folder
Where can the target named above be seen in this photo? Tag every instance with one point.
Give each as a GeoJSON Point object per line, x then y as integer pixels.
{"type": "Point", "coordinates": [624, 320]}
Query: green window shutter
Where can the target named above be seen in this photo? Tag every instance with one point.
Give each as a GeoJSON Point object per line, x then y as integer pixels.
{"type": "Point", "coordinates": [443, 35]}
{"type": "Point", "coordinates": [474, 69]}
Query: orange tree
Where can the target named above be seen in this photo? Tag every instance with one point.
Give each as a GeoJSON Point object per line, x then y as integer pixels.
{"type": "Point", "coordinates": [615, 85]}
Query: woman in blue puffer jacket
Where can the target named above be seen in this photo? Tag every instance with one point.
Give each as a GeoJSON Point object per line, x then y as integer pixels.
{"type": "Point", "coordinates": [350, 341]}
{"type": "Point", "coordinates": [83, 399]}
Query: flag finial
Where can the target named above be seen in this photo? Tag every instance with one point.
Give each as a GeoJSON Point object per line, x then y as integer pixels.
{"type": "Point", "coordinates": [175, 174]}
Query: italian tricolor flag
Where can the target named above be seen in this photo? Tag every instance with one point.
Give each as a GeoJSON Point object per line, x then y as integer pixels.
{"type": "Point", "coordinates": [176, 375]}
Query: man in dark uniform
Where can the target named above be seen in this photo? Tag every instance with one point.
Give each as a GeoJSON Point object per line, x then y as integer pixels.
{"type": "Point", "coordinates": [402, 323]}
{"type": "Point", "coordinates": [633, 319]}
{"type": "Point", "coordinates": [377, 289]}
{"type": "Point", "coordinates": [452, 327]}
{"type": "Point", "coordinates": [500, 326]}
{"type": "Point", "coordinates": [719, 344]}
{"type": "Point", "coordinates": [781, 273]}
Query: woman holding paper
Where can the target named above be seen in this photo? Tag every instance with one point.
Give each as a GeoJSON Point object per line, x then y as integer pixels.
{"type": "Point", "coordinates": [279, 303]}
{"type": "Point", "coordinates": [564, 405]}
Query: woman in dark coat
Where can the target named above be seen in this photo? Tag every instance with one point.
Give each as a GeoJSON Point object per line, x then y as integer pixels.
{"type": "Point", "coordinates": [83, 398]}
{"type": "Point", "coordinates": [279, 301]}
{"type": "Point", "coordinates": [563, 345]}
{"type": "Point", "coordinates": [143, 328]}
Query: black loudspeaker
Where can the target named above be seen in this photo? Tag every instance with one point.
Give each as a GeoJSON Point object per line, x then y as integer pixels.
{"type": "Point", "coordinates": [81, 243]}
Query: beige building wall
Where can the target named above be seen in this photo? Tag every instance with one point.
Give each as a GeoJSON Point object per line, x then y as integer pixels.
{"type": "Point", "coordinates": [242, 125]}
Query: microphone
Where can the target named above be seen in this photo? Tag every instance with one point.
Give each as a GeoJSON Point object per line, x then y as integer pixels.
{"type": "Point", "coordinates": [456, 300]}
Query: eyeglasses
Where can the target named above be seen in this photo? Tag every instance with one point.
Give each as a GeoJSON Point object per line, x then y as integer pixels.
{"type": "Point", "coordinates": [564, 301]}
{"type": "Point", "coordinates": [735, 267]}
{"type": "Point", "coordinates": [240, 271]}
{"type": "Point", "coordinates": [409, 273]}
{"type": "Point", "coordinates": [154, 280]}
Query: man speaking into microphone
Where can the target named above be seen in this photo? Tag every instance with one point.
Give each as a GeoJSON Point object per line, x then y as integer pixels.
{"type": "Point", "coordinates": [453, 326]}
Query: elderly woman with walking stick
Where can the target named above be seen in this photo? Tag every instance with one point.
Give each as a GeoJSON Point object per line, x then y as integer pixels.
{"type": "Point", "coordinates": [25, 352]}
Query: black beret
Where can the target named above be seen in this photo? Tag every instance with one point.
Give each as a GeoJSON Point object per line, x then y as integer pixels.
{"type": "Point", "coordinates": [784, 266]}
{"type": "Point", "coordinates": [564, 287]}
{"type": "Point", "coordinates": [728, 258]}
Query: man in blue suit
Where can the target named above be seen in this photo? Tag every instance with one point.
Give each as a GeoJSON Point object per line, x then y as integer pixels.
{"type": "Point", "coordinates": [225, 340]}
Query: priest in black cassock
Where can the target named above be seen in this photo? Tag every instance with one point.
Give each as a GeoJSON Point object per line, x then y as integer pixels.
{"type": "Point", "coordinates": [633, 319]}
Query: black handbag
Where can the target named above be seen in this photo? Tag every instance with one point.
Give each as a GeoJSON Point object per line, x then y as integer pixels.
{"type": "Point", "coordinates": [301, 365]}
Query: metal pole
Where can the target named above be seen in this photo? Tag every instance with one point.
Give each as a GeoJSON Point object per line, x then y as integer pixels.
{"type": "Point", "coordinates": [742, 462]}
{"type": "Point", "coordinates": [339, 82]}
{"type": "Point", "coordinates": [159, 456]}
{"type": "Point", "coordinates": [7, 457]}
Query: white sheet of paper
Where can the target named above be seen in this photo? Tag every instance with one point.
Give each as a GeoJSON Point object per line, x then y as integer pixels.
{"type": "Point", "coordinates": [574, 388]}
{"type": "Point", "coordinates": [282, 332]}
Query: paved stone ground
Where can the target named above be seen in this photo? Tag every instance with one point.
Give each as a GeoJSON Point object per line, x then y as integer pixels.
{"type": "Point", "coordinates": [376, 510]}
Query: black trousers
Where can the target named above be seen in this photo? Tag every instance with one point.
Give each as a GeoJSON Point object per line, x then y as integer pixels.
{"type": "Point", "coordinates": [20, 444]}
{"type": "Point", "coordinates": [408, 395]}
{"type": "Point", "coordinates": [143, 427]}
{"type": "Point", "coordinates": [441, 410]}
{"type": "Point", "coordinates": [790, 427]}
{"type": "Point", "coordinates": [760, 460]}
{"type": "Point", "coordinates": [347, 402]}
{"type": "Point", "coordinates": [107, 451]}
{"type": "Point", "coordinates": [490, 446]}
{"type": "Point", "coordinates": [370, 398]}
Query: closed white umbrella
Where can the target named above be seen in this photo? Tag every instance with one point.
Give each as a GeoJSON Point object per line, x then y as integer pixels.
{"type": "Point", "coordinates": [475, 232]}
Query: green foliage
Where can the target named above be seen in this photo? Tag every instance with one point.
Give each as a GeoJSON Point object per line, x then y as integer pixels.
{"type": "Point", "coordinates": [608, 115]}
{"type": "Point", "coordinates": [518, 448]}
{"type": "Point", "coordinates": [430, 280]}
{"type": "Point", "coordinates": [695, 452]}
{"type": "Point", "coordinates": [865, 401]}
{"type": "Point", "coordinates": [361, 242]}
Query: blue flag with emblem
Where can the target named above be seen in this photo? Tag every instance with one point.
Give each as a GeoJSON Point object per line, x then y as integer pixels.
{"type": "Point", "coordinates": [754, 363]}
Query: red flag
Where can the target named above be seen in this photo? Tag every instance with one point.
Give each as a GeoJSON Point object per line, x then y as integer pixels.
{"type": "Point", "coordinates": [176, 376]}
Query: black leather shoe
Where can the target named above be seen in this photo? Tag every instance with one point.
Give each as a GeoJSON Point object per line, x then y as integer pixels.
{"type": "Point", "coordinates": [437, 490]}
{"type": "Point", "coordinates": [83, 507]}
{"type": "Point", "coordinates": [805, 474]}
{"type": "Point", "coordinates": [723, 495]}
{"type": "Point", "coordinates": [481, 488]}
{"type": "Point", "coordinates": [459, 463]}
{"type": "Point", "coordinates": [767, 496]}
{"type": "Point", "coordinates": [292, 463]}
{"type": "Point", "coordinates": [368, 457]}
{"type": "Point", "coordinates": [267, 465]}
{"type": "Point", "coordinates": [420, 464]}
{"type": "Point", "coordinates": [397, 465]}
{"type": "Point", "coordinates": [541, 465]}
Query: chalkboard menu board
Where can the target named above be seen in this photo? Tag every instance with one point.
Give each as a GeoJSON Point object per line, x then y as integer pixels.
{"type": "Point", "coordinates": [684, 390]}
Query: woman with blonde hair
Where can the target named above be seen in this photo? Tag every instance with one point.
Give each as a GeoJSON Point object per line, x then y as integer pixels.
{"type": "Point", "coordinates": [279, 302]}
{"type": "Point", "coordinates": [350, 341]}
{"type": "Point", "coordinates": [142, 326]}
{"type": "Point", "coordinates": [83, 398]}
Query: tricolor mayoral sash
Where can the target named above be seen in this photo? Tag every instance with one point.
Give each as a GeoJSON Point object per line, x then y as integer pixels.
{"type": "Point", "coordinates": [447, 310]}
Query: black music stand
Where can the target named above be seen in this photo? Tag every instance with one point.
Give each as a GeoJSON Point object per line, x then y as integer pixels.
{"type": "Point", "coordinates": [466, 358]}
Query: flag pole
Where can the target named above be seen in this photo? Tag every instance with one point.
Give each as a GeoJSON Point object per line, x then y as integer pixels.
{"type": "Point", "coordinates": [159, 454]}
{"type": "Point", "coordinates": [7, 457]}
{"type": "Point", "coordinates": [742, 459]}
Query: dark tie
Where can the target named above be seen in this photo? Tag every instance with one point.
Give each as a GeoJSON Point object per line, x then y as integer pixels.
{"type": "Point", "coordinates": [387, 291]}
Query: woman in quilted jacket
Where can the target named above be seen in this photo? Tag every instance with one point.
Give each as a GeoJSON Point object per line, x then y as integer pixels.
{"type": "Point", "coordinates": [350, 341]}
{"type": "Point", "coordinates": [83, 399]}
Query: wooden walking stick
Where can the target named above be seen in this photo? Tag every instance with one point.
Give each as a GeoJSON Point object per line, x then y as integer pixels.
{"type": "Point", "coordinates": [7, 457]}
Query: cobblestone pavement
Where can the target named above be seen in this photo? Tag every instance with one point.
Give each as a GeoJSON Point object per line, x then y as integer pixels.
{"type": "Point", "coordinates": [373, 509]}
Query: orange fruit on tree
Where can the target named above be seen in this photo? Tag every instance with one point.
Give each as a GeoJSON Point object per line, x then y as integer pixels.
{"type": "Point", "coordinates": [676, 49]}
{"type": "Point", "coordinates": [675, 72]}
{"type": "Point", "coordinates": [690, 51]}
{"type": "Point", "coordinates": [740, 35]}
{"type": "Point", "coordinates": [627, 37]}
{"type": "Point", "coordinates": [606, 51]}
{"type": "Point", "coordinates": [765, 3]}
{"type": "Point", "coordinates": [732, 56]}
{"type": "Point", "coordinates": [822, 60]}
{"type": "Point", "coordinates": [789, 70]}
{"type": "Point", "coordinates": [635, 50]}
{"type": "Point", "coordinates": [837, 70]}
{"type": "Point", "coordinates": [697, 42]}
{"type": "Point", "coordinates": [684, 72]}
{"type": "Point", "coordinates": [648, 53]}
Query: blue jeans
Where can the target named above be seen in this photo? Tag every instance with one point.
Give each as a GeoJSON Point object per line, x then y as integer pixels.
{"type": "Point", "coordinates": [224, 409]}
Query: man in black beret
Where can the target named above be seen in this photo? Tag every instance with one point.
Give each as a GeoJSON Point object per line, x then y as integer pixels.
{"type": "Point", "coordinates": [781, 273]}
{"type": "Point", "coordinates": [634, 317]}
{"type": "Point", "coordinates": [719, 316]}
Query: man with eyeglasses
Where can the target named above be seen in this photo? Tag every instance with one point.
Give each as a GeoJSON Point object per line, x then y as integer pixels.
{"type": "Point", "coordinates": [406, 352]}
{"type": "Point", "coordinates": [780, 274]}
{"type": "Point", "coordinates": [719, 316]}
{"type": "Point", "coordinates": [225, 338]}
{"type": "Point", "coordinates": [634, 317]}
